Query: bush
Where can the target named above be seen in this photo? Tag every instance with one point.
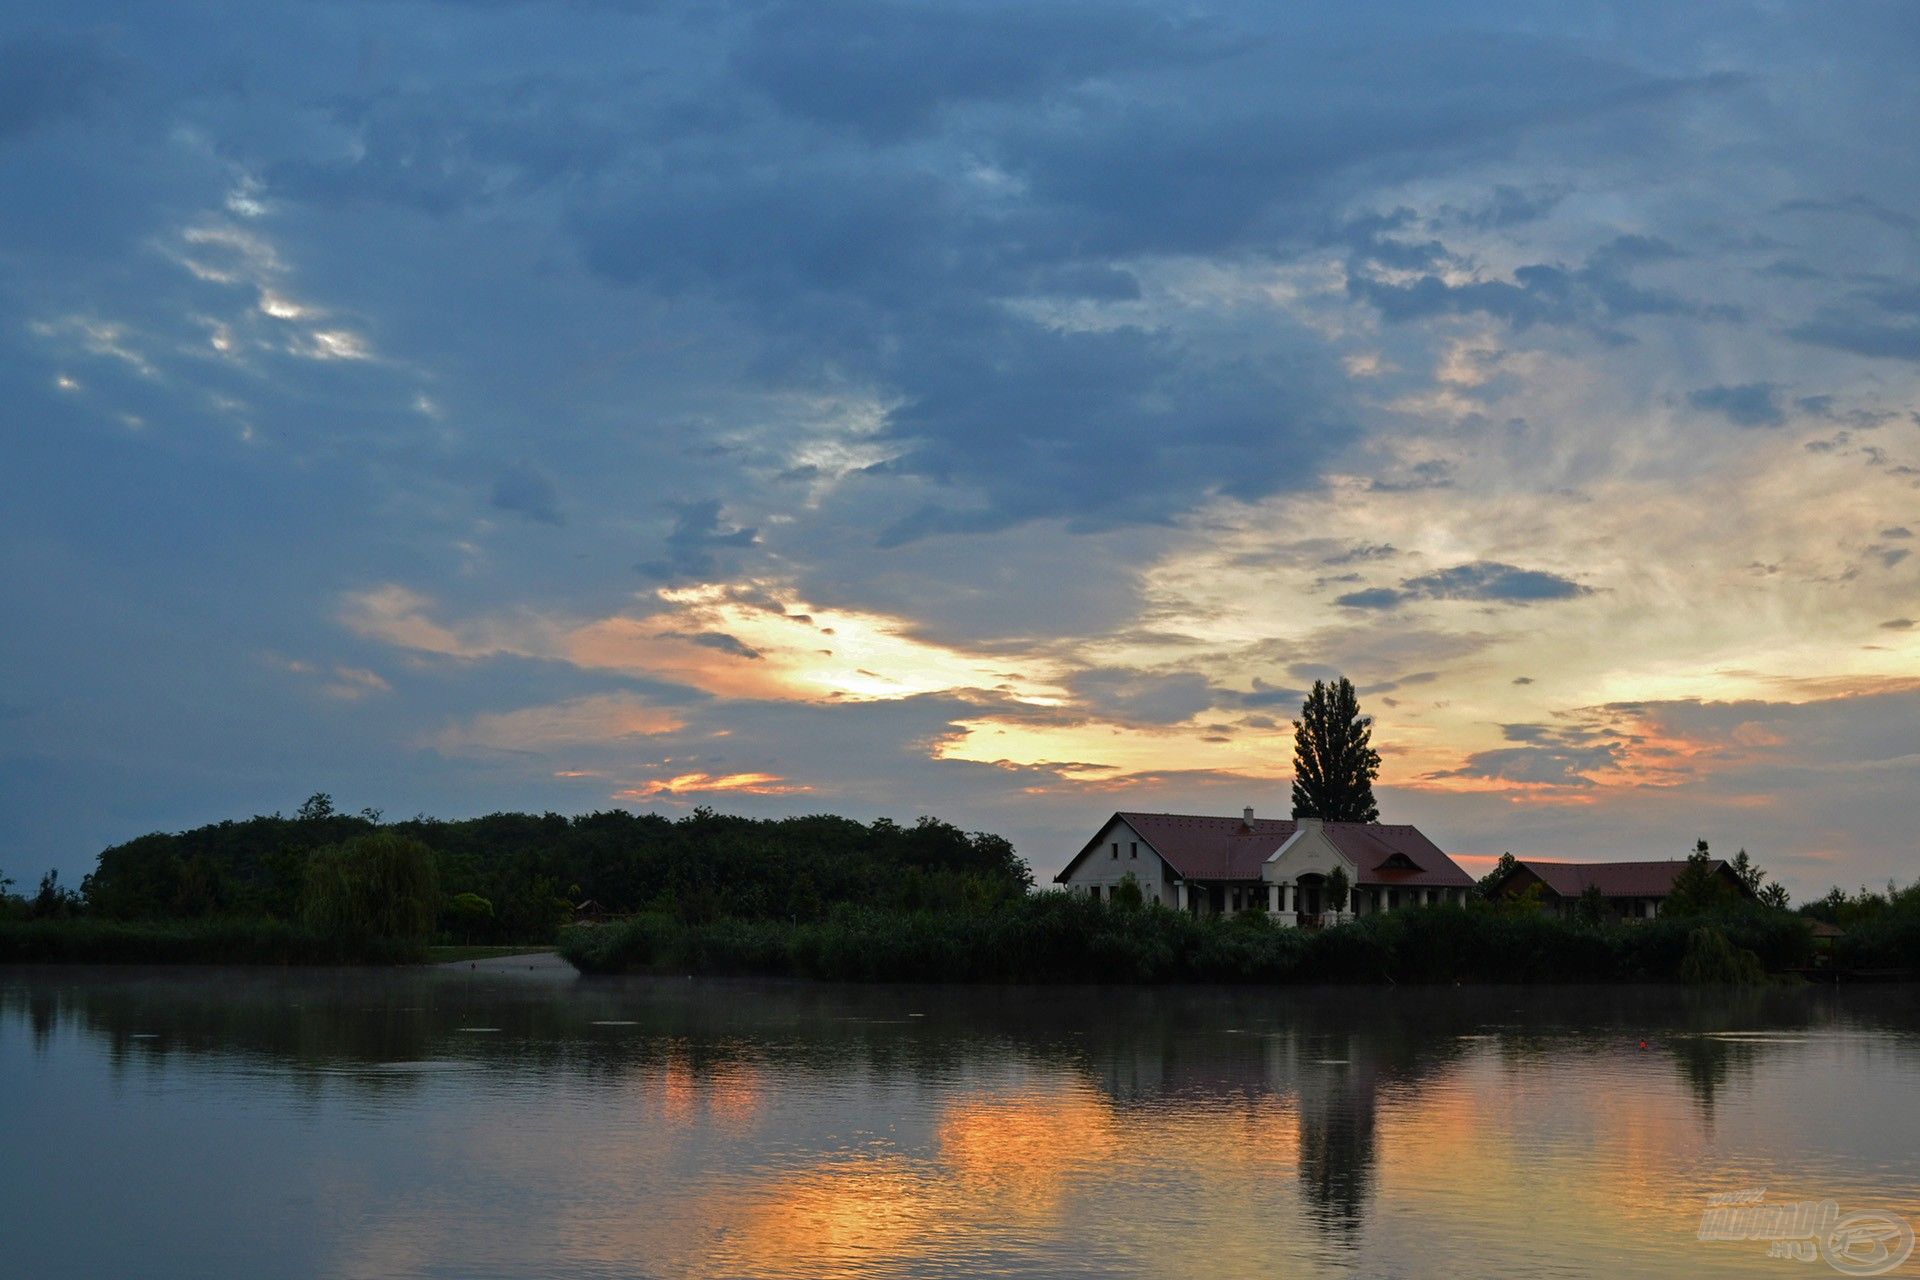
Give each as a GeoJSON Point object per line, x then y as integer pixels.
{"type": "Point", "coordinates": [1057, 937]}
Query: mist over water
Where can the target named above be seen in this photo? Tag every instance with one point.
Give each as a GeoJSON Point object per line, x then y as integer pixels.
{"type": "Point", "coordinates": [473, 1124]}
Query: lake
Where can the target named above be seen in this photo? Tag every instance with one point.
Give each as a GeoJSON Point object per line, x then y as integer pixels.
{"type": "Point", "coordinates": [467, 1123]}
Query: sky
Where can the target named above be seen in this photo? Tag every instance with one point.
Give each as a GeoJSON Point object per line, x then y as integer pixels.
{"type": "Point", "coordinates": [987, 410]}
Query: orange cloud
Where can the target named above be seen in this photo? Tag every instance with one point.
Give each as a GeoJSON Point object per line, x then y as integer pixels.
{"type": "Point", "coordinates": [730, 642]}
{"type": "Point", "coordinates": [601, 718]}
{"type": "Point", "coordinates": [758, 784]}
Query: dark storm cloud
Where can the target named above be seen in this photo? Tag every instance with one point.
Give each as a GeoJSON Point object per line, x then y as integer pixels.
{"type": "Point", "coordinates": [1751, 404]}
{"type": "Point", "coordinates": [1484, 580]}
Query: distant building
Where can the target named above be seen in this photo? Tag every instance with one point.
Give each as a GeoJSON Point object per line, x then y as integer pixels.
{"type": "Point", "coordinates": [1632, 890]}
{"type": "Point", "coordinates": [1220, 866]}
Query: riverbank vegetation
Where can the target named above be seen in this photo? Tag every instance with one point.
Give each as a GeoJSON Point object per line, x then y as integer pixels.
{"type": "Point", "coordinates": [1062, 937]}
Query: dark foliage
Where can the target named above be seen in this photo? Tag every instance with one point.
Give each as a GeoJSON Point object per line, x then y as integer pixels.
{"type": "Point", "coordinates": [531, 868]}
{"type": "Point", "coordinates": [1334, 763]}
{"type": "Point", "coordinates": [1057, 937]}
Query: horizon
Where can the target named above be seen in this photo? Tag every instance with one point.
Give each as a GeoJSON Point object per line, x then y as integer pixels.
{"type": "Point", "coordinates": [990, 413]}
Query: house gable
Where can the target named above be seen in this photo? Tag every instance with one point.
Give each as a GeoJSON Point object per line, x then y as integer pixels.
{"type": "Point", "coordinates": [1307, 852]}
{"type": "Point", "coordinates": [1098, 864]}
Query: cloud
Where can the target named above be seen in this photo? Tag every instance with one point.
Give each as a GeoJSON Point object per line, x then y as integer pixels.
{"type": "Point", "coordinates": [699, 543]}
{"type": "Point", "coordinates": [1750, 404]}
{"type": "Point", "coordinates": [597, 720]}
{"type": "Point", "coordinates": [528, 492]}
{"type": "Point", "coordinates": [1484, 580]}
{"type": "Point", "coordinates": [46, 77]}
{"type": "Point", "coordinates": [1597, 294]}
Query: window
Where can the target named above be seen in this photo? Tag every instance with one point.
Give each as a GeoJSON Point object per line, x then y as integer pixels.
{"type": "Point", "coordinates": [1133, 848]}
{"type": "Point", "coordinates": [1116, 848]}
{"type": "Point", "coordinates": [1093, 891]}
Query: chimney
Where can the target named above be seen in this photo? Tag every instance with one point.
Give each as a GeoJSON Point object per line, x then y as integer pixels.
{"type": "Point", "coordinates": [1247, 816]}
{"type": "Point", "coordinates": [1307, 824]}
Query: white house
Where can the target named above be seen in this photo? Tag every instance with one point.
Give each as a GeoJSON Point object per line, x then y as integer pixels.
{"type": "Point", "coordinates": [1213, 866]}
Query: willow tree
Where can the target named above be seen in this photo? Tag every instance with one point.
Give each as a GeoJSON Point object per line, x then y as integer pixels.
{"type": "Point", "coordinates": [373, 886]}
{"type": "Point", "coordinates": [1334, 763]}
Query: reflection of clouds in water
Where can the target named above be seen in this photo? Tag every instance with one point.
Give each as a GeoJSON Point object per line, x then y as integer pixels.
{"type": "Point", "coordinates": [794, 1130]}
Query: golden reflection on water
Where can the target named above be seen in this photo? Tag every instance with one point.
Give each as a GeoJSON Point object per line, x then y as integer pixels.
{"type": "Point", "coordinates": [1164, 1133]}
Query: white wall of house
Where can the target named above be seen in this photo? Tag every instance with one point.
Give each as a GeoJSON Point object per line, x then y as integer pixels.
{"type": "Point", "coordinates": [1307, 852]}
{"type": "Point", "coordinates": [1104, 868]}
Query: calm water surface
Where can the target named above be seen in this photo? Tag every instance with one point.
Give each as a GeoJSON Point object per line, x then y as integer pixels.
{"type": "Point", "coordinates": [218, 1124]}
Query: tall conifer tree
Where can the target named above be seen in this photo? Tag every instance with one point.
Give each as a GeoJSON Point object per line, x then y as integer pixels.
{"type": "Point", "coordinates": [1334, 763]}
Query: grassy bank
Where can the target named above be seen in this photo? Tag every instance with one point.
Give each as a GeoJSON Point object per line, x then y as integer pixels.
{"type": "Point", "coordinates": [1059, 938]}
{"type": "Point", "coordinates": [273, 942]}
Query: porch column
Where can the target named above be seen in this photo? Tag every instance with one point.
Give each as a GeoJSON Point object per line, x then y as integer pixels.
{"type": "Point", "coordinates": [1180, 894]}
{"type": "Point", "coordinates": [1273, 899]}
{"type": "Point", "coordinates": [1289, 903]}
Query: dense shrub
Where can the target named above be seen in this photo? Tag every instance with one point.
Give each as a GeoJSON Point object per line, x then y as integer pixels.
{"type": "Point", "coordinates": [1056, 937]}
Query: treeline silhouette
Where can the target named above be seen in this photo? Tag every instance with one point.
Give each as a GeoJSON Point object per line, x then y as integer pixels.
{"type": "Point", "coordinates": [517, 877]}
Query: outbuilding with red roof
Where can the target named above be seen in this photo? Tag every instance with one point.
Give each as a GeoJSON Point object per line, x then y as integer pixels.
{"type": "Point", "coordinates": [1631, 890]}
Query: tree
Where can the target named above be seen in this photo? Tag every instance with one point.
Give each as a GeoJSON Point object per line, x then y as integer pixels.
{"type": "Point", "coordinates": [318, 808]}
{"type": "Point", "coordinates": [373, 886]}
{"type": "Point", "coordinates": [1775, 895]}
{"type": "Point", "coordinates": [1696, 890]}
{"type": "Point", "coordinates": [1127, 895]}
{"type": "Point", "coordinates": [1750, 875]}
{"type": "Point", "coordinates": [1591, 906]}
{"type": "Point", "coordinates": [53, 901]}
{"type": "Point", "coordinates": [1487, 882]}
{"type": "Point", "coordinates": [470, 915]}
{"type": "Point", "coordinates": [1334, 764]}
{"type": "Point", "coordinates": [1337, 887]}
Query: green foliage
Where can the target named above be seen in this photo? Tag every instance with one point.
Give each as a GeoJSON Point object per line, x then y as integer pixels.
{"type": "Point", "coordinates": [1696, 890]}
{"type": "Point", "coordinates": [1881, 932]}
{"type": "Point", "coordinates": [1488, 882]}
{"type": "Point", "coordinates": [469, 915]}
{"type": "Point", "coordinates": [1058, 937]}
{"type": "Point", "coordinates": [704, 866]}
{"type": "Point", "coordinates": [1591, 908]}
{"type": "Point", "coordinates": [53, 902]}
{"type": "Point", "coordinates": [374, 886]}
{"type": "Point", "coordinates": [1127, 895]}
{"type": "Point", "coordinates": [1743, 867]}
{"type": "Point", "coordinates": [318, 807]}
{"type": "Point", "coordinates": [1338, 886]}
{"type": "Point", "coordinates": [1530, 901]}
{"type": "Point", "coordinates": [1775, 896]}
{"type": "Point", "coordinates": [1334, 763]}
{"type": "Point", "coordinates": [1711, 958]}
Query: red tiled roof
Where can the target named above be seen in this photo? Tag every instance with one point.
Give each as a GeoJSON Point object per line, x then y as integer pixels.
{"type": "Point", "coordinates": [1616, 879]}
{"type": "Point", "coordinates": [1203, 848]}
